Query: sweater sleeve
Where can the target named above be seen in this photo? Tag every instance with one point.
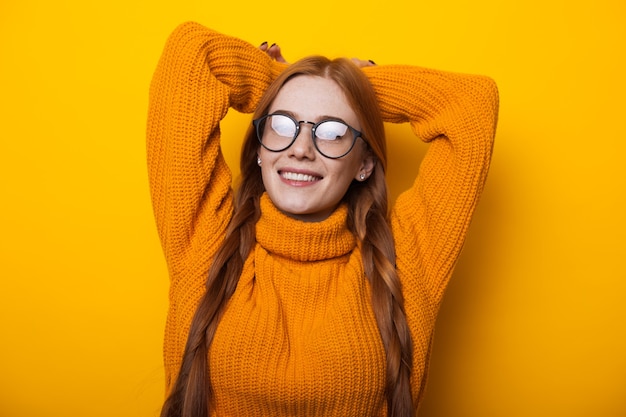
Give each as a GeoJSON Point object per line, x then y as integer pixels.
{"type": "Point", "coordinates": [200, 75]}
{"type": "Point", "coordinates": [457, 115]}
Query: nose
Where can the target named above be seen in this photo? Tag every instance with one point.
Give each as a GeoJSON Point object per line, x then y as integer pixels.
{"type": "Point", "coordinates": [303, 147]}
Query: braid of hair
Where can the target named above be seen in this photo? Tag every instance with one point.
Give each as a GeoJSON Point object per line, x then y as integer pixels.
{"type": "Point", "coordinates": [369, 208]}
{"type": "Point", "coordinates": [191, 394]}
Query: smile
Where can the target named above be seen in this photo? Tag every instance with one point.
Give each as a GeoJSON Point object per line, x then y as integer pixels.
{"type": "Point", "coordinates": [294, 176]}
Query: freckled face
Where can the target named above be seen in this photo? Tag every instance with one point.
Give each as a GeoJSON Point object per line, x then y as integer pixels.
{"type": "Point", "coordinates": [300, 181]}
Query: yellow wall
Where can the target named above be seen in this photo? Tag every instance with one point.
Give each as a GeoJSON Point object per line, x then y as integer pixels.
{"type": "Point", "coordinates": [533, 323]}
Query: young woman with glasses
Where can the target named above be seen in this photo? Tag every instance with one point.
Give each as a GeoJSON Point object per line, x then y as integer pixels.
{"type": "Point", "coordinates": [300, 294]}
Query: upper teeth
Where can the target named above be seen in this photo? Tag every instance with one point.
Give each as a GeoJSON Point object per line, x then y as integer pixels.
{"type": "Point", "coordinates": [293, 176]}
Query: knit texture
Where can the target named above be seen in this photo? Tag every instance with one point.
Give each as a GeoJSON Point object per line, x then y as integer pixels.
{"type": "Point", "coordinates": [299, 336]}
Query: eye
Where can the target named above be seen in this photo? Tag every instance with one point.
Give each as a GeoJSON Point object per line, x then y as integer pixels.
{"type": "Point", "coordinates": [283, 126]}
{"type": "Point", "coordinates": [330, 130]}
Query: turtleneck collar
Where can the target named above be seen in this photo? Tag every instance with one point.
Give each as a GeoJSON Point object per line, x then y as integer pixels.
{"type": "Point", "coordinates": [303, 241]}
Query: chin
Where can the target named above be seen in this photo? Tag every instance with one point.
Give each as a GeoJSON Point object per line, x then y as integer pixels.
{"type": "Point", "coordinates": [307, 215]}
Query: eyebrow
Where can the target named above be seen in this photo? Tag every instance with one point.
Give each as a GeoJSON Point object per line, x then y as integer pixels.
{"type": "Point", "coordinates": [319, 119]}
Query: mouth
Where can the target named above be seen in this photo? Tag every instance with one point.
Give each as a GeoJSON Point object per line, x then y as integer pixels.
{"type": "Point", "coordinates": [298, 176]}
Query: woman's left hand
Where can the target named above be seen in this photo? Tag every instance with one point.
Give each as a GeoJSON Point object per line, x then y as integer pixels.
{"type": "Point", "coordinates": [361, 63]}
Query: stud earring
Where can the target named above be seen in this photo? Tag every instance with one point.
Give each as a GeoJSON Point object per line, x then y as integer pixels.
{"type": "Point", "coordinates": [362, 176]}
{"type": "Point", "coordinates": [258, 161]}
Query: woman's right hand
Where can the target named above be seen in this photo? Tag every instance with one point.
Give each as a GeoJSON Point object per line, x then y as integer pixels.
{"type": "Point", "coordinates": [273, 51]}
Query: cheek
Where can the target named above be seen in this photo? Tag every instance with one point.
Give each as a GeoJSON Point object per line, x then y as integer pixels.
{"type": "Point", "coordinates": [343, 176]}
{"type": "Point", "coordinates": [352, 167]}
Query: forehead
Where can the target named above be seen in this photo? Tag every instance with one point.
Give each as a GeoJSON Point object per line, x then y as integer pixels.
{"type": "Point", "coordinates": [311, 98]}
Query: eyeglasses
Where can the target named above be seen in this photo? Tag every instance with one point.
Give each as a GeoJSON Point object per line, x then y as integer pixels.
{"type": "Point", "coordinates": [332, 138]}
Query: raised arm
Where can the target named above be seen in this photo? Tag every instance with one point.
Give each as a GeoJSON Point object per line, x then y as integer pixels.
{"type": "Point", "coordinates": [200, 75]}
{"type": "Point", "coordinates": [457, 115]}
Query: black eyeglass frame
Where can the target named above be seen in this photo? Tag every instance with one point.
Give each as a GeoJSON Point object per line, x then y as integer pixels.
{"type": "Point", "coordinates": [257, 126]}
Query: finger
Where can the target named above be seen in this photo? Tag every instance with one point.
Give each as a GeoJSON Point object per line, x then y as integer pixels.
{"type": "Point", "coordinates": [263, 46]}
{"type": "Point", "coordinates": [275, 52]}
{"type": "Point", "coordinates": [363, 63]}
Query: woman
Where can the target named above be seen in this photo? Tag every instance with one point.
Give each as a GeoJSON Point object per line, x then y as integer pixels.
{"type": "Point", "coordinates": [299, 295]}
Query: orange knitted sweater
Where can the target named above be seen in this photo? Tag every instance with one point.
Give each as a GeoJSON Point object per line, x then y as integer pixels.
{"type": "Point", "coordinates": [299, 335]}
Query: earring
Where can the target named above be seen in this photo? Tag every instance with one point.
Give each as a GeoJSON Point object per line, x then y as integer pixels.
{"type": "Point", "coordinates": [362, 176]}
{"type": "Point", "coordinates": [258, 161]}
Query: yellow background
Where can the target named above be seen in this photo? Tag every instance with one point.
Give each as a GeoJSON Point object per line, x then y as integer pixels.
{"type": "Point", "coordinates": [533, 323]}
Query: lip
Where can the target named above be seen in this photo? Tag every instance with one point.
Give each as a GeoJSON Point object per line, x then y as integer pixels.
{"type": "Point", "coordinates": [299, 177]}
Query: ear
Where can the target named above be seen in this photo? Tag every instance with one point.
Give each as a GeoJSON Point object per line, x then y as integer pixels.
{"type": "Point", "coordinates": [367, 167]}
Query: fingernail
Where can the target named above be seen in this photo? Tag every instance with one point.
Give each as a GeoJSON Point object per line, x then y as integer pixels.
{"type": "Point", "coordinates": [264, 43]}
{"type": "Point", "coordinates": [372, 62]}
{"type": "Point", "coordinates": [273, 45]}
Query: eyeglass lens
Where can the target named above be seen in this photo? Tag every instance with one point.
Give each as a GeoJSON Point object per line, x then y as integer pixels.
{"type": "Point", "coordinates": [332, 138]}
